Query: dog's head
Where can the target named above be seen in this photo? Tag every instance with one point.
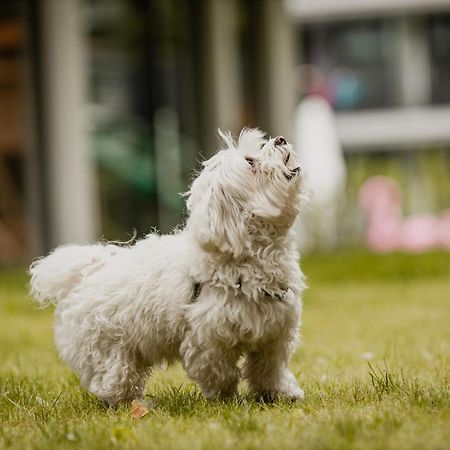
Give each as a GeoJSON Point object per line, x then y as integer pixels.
{"type": "Point", "coordinates": [252, 181]}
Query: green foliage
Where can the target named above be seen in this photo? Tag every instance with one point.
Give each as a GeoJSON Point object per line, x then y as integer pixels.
{"type": "Point", "coordinates": [374, 363]}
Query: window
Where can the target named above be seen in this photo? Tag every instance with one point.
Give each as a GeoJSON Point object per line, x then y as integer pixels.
{"type": "Point", "coordinates": [439, 41]}
{"type": "Point", "coordinates": [355, 63]}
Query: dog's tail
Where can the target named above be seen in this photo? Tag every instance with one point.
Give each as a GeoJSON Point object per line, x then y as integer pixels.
{"type": "Point", "coordinates": [54, 276]}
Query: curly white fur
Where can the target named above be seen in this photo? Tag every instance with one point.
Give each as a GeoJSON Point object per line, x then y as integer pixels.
{"type": "Point", "coordinates": [122, 310]}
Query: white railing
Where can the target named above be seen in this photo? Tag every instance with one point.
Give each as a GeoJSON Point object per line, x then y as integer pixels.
{"type": "Point", "coordinates": [407, 128]}
{"type": "Point", "coordinates": [320, 10]}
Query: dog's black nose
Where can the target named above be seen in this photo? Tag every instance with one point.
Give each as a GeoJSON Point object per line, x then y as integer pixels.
{"type": "Point", "coordinates": [280, 140]}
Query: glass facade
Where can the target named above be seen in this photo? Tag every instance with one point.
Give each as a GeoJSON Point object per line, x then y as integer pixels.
{"type": "Point", "coordinates": [360, 61]}
{"type": "Point", "coordinates": [355, 61]}
{"type": "Point", "coordinates": [439, 43]}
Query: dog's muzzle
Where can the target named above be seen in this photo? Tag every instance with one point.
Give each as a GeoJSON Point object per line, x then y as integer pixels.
{"type": "Point", "coordinates": [279, 141]}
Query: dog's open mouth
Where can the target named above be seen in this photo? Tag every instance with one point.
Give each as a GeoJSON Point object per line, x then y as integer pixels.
{"type": "Point", "coordinates": [293, 173]}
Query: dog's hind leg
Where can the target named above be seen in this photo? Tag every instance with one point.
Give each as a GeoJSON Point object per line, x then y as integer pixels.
{"type": "Point", "coordinates": [118, 379]}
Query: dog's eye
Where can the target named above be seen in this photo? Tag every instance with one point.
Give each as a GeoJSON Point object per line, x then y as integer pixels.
{"type": "Point", "coordinates": [251, 161]}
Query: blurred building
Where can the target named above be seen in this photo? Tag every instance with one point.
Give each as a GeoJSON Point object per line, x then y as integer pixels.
{"type": "Point", "coordinates": [387, 68]}
{"type": "Point", "coordinates": [107, 105]}
{"type": "Point", "coordinates": [110, 104]}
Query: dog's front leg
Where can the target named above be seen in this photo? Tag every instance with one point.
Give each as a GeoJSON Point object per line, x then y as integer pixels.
{"type": "Point", "coordinates": [266, 370]}
{"type": "Point", "coordinates": [211, 365]}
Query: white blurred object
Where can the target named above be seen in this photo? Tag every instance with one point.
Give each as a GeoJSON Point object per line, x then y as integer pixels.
{"type": "Point", "coordinates": [322, 161]}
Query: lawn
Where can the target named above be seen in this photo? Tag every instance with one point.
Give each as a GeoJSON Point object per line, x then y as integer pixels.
{"type": "Point", "coordinates": [374, 364]}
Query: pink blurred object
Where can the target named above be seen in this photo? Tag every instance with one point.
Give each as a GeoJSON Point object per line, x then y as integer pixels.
{"type": "Point", "coordinates": [387, 228]}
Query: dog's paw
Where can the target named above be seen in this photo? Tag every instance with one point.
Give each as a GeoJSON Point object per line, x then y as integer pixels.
{"type": "Point", "coordinates": [289, 388]}
{"type": "Point", "coordinates": [294, 394]}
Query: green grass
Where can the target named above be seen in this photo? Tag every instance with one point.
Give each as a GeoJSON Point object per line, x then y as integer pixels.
{"type": "Point", "coordinates": [374, 363]}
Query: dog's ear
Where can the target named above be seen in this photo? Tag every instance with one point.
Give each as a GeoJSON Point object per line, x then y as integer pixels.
{"type": "Point", "coordinates": [216, 217]}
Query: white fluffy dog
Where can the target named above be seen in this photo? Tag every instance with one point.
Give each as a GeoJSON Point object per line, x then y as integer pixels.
{"type": "Point", "coordinates": [227, 285]}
